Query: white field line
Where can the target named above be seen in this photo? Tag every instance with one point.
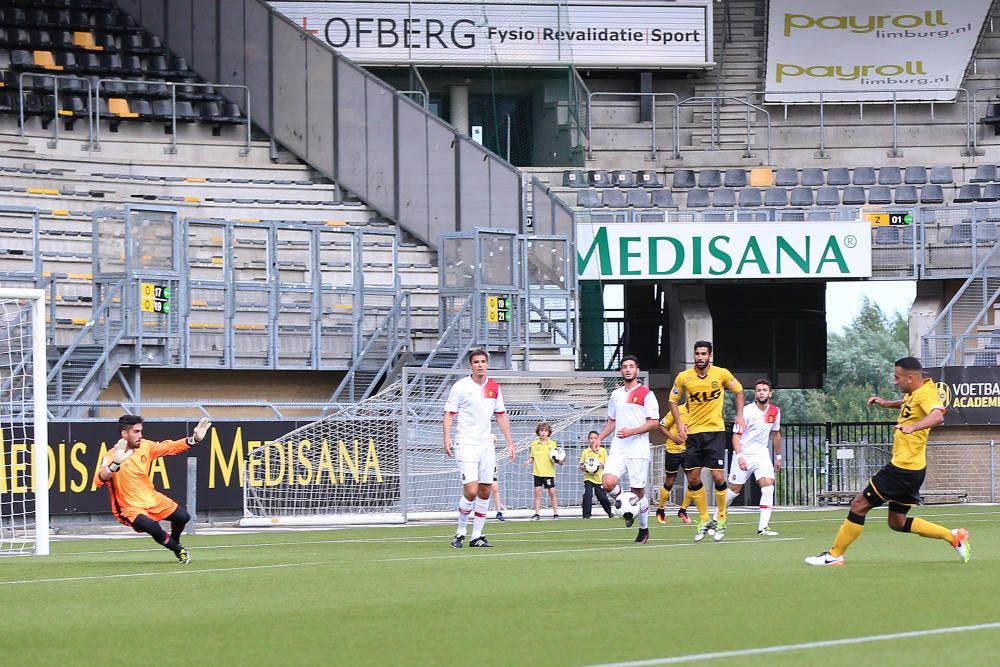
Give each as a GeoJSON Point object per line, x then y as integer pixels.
{"type": "Point", "coordinates": [805, 646]}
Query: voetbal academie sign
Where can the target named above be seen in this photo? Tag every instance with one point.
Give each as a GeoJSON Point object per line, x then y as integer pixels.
{"type": "Point", "coordinates": [523, 34]}
{"type": "Point", "coordinates": [673, 251]}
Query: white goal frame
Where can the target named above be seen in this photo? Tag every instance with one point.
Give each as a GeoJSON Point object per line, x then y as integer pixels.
{"type": "Point", "coordinates": [40, 444]}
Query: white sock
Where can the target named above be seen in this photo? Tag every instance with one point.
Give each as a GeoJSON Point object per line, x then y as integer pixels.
{"type": "Point", "coordinates": [615, 492]}
{"type": "Point", "coordinates": [766, 500]}
{"type": "Point", "coordinates": [464, 510]}
{"type": "Point", "coordinates": [479, 517]}
{"type": "Point", "coordinates": [644, 512]}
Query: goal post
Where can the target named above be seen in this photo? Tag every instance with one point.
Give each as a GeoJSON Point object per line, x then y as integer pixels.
{"type": "Point", "coordinates": [24, 441]}
{"type": "Point", "coordinates": [382, 460]}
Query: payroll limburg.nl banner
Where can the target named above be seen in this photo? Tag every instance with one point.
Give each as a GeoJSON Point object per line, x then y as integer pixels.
{"type": "Point", "coordinates": [971, 394]}
{"type": "Point", "coordinates": [77, 449]}
{"type": "Point", "coordinates": [854, 46]}
{"type": "Point", "coordinates": [674, 251]}
{"type": "Point", "coordinates": [525, 34]}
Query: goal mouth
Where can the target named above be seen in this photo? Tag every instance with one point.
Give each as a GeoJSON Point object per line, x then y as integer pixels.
{"type": "Point", "coordinates": [382, 460]}
{"type": "Point", "coordinates": [24, 507]}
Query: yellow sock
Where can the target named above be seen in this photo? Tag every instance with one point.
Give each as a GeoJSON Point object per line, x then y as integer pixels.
{"type": "Point", "coordinates": [686, 500]}
{"type": "Point", "coordinates": [927, 529]}
{"type": "Point", "coordinates": [849, 531]}
{"type": "Point", "coordinates": [720, 502]}
{"type": "Point", "coordinates": [700, 499]}
{"type": "Point", "coordinates": [664, 492]}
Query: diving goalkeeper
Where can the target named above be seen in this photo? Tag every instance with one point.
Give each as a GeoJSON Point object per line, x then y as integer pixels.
{"type": "Point", "coordinates": [134, 501]}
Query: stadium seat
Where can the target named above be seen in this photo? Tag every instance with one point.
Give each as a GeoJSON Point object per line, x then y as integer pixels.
{"type": "Point", "coordinates": [802, 196]}
{"type": "Point", "coordinates": [991, 192]}
{"type": "Point", "coordinates": [734, 178]}
{"type": "Point", "coordinates": [588, 198]}
{"type": "Point", "coordinates": [574, 178]}
{"type": "Point", "coordinates": [598, 178]}
{"type": "Point", "coordinates": [709, 178]}
{"type": "Point", "coordinates": [811, 176]}
{"type": "Point", "coordinates": [863, 176]}
{"type": "Point", "coordinates": [961, 232]}
{"type": "Point", "coordinates": [931, 194]}
{"type": "Point", "coordinates": [647, 178]}
{"type": "Point", "coordinates": [915, 175]}
{"type": "Point", "coordinates": [905, 194]}
{"type": "Point", "coordinates": [827, 196]}
{"type": "Point", "coordinates": [838, 176]}
{"type": "Point", "coordinates": [614, 198]}
{"type": "Point", "coordinates": [698, 198]}
{"type": "Point", "coordinates": [762, 177]}
{"type": "Point", "coordinates": [639, 198]}
{"type": "Point", "coordinates": [985, 173]}
{"type": "Point", "coordinates": [854, 195]}
{"type": "Point", "coordinates": [724, 198]}
{"type": "Point", "coordinates": [986, 232]}
{"type": "Point", "coordinates": [776, 197]}
{"type": "Point", "coordinates": [683, 179]}
{"type": "Point", "coordinates": [85, 40]}
{"type": "Point", "coordinates": [750, 198]}
{"type": "Point", "coordinates": [942, 175]}
{"type": "Point", "coordinates": [889, 176]}
{"type": "Point", "coordinates": [879, 194]}
{"type": "Point", "coordinates": [786, 177]}
{"type": "Point", "coordinates": [968, 192]}
{"type": "Point", "coordinates": [663, 199]}
{"type": "Point", "coordinates": [623, 178]}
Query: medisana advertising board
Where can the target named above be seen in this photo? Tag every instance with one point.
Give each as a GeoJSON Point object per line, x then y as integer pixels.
{"type": "Point", "coordinates": [654, 33]}
{"type": "Point", "coordinates": [705, 251]}
{"type": "Point", "coordinates": [851, 47]}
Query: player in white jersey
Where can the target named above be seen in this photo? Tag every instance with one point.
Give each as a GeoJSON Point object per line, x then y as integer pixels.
{"type": "Point", "coordinates": [475, 400]}
{"type": "Point", "coordinates": [751, 455]}
{"type": "Point", "coordinates": [632, 413]}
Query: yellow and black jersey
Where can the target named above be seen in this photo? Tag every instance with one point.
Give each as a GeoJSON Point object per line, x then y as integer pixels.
{"type": "Point", "coordinates": [668, 423]}
{"type": "Point", "coordinates": [909, 450]}
{"type": "Point", "coordinates": [705, 396]}
{"type": "Point", "coordinates": [602, 455]}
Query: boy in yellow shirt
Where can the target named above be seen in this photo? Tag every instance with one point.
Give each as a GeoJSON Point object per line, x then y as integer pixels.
{"type": "Point", "coordinates": [592, 480]}
{"type": "Point", "coordinates": [544, 468]}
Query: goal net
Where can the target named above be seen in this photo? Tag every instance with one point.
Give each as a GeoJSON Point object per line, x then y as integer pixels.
{"type": "Point", "coordinates": [24, 509]}
{"type": "Point", "coordinates": [382, 459]}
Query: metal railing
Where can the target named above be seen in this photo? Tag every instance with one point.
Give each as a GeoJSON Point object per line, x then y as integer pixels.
{"type": "Point", "coordinates": [715, 103]}
{"type": "Point", "coordinates": [172, 149]}
{"type": "Point", "coordinates": [57, 111]}
{"type": "Point", "coordinates": [387, 346]}
{"type": "Point", "coordinates": [675, 139]}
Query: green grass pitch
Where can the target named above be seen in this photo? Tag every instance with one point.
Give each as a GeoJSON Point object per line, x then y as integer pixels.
{"type": "Point", "coordinates": [567, 592]}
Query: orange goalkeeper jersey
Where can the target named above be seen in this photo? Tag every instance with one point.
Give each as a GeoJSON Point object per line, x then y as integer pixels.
{"type": "Point", "coordinates": [132, 491]}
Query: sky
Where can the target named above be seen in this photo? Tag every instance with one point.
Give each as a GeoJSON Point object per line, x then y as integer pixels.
{"type": "Point", "coordinates": [843, 299]}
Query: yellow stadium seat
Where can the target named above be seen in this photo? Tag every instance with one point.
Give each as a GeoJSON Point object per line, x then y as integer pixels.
{"type": "Point", "coordinates": [85, 40]}
{"type": "Point", "coordinates": [119, 107]}
{"type": "Point", "coordinates": [46, 60]}
{"type": "Point", "coordinates": [761, 177]}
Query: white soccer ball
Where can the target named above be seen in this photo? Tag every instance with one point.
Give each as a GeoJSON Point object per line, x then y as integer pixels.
{"type": "Point", "coordinates": [627, 506]}
{"type": "Point", "coordinates": [558, 454]}
{"type": "Point", "coordinates": [591, 464]}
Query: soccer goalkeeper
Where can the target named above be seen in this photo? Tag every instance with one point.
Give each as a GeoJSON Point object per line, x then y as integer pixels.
{"type": "Point", "coordinates": [134, 501]}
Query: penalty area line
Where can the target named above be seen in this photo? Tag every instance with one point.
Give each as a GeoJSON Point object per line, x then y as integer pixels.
{"type": "Point", "coordinates": [847, 641]}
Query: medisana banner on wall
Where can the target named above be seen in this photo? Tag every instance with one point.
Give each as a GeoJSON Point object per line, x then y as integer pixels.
{"type": "Point", "coordinates": [850, 47]}
{"type": "Point", "coordinates": [654, 33]}
{"type": "Point", "coordinates": [702, 251]}
{"type": "Point", "coordinates": [970, 394]}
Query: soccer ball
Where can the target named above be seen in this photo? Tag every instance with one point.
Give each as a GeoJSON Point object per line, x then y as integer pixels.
{"type": "Point", "coordinates": [627, 506]}
{"type": "Point", "coordinates": [591, 464]}
{"type": "Point", "coordinates": [558, 455]}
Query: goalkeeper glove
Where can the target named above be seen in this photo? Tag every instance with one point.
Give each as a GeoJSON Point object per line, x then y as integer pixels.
{"type": "Point", "coordinates": [199, 431]}
{"type": "Point", "coordinates": [121, 453]}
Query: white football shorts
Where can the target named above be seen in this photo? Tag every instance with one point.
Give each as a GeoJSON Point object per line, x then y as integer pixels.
{"type": "Point", "coordinates": [758, 464]}
{"type": "Point", "coordinates": [476, 463]}
{"type": "Point", "coordinates": [637, 469]}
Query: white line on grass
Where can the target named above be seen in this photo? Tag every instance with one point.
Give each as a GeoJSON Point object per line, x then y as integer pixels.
{"type": "Point", "coordinates": [696, 657]}
{"type": "Point", "coordinates": [98, 577]}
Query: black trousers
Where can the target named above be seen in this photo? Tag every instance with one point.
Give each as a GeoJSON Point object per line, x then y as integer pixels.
{"type": "Point", "coordinates": [588, 498]}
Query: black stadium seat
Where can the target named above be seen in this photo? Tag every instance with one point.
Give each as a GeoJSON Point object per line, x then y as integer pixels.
{"type": "Point", "coordinates": [709, 178]}
{"type": "Point", "coordinates": [985, 173]}
{"type": "Point", "coordinates": [838, 176]}
{"type": "Point", "coordinates": [827, 196]}
{"type": "Point", "coordinates": [639, 198]}
{"type": "Point", "coordinates": [889, 176]}
{"type": "Point", "coordinates": [735, 178]}
{"type": "Point", "coordinates": [598, 178]}
{"type": "Point", "coordinates": [906, 194]}
{"type": "Point", "coordinates": [623, 178]}
{"type": "Point", "coordinates": [931, 194]}
{"type": "Point", "coordinates": [571, 178]}
{"type": "Point", "coordinates": [663, 199]}
{"type": "Point", "coordinates": [776, 197]}
{"type": "Point", "coordinates": [915, 175]}
{"type": "Point", "coordinates": [588, 198]}
{"type": "Point", "coordinates": [614, 198]}
{"type": "Point", "coordinates": [683, 178]}
{"type": "Point", "coordinates": [811, 176]}
{"type": "Point", "coordinates": [942, 175]}
{"type": "Point", "coordinates": [786, 177]}
{"type": "Point", "coordinates": [854, 195]}
{"type": "Point", "coordinates": [698, 198]}
{"type": "Point", "coordinates": [879, 194]}
{"type": "Point", "coordinates": [724, 198]}
{"type": "Point", "coordinates": [863, 176]}
{"type": "Point", "coordinates": [647, 178]}
{"type": "Point", "coordinates": [750, 198]}
{"type": "Point", "coordinates": [801, 196]}
{"type": "Point", "coordinates": [968, 192]}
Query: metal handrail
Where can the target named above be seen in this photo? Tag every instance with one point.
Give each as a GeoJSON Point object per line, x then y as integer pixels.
{"type": "Point", "coordinates": [972, 115]}
{"type": "Point", "coordinates": [55, 110]}
{"type": "Point", "coordinates": [675, 141]}
{"type": "Point", "coordinates": [965, 335]}
{"type": "Point", "coordinates": [96, 145]}
{"type": "Point", "coordinates": [579, 83]}
{"type": "Point", "coordinates": [389, 323]}
{"type": "Point", "coordinates": [420, 93]}
{"type": "Point", "coordinates": [714, 103]}
{"type": "Point", "coordinates": [448, 332]}
{"type": "Point", "coordinates": [103, 307]}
